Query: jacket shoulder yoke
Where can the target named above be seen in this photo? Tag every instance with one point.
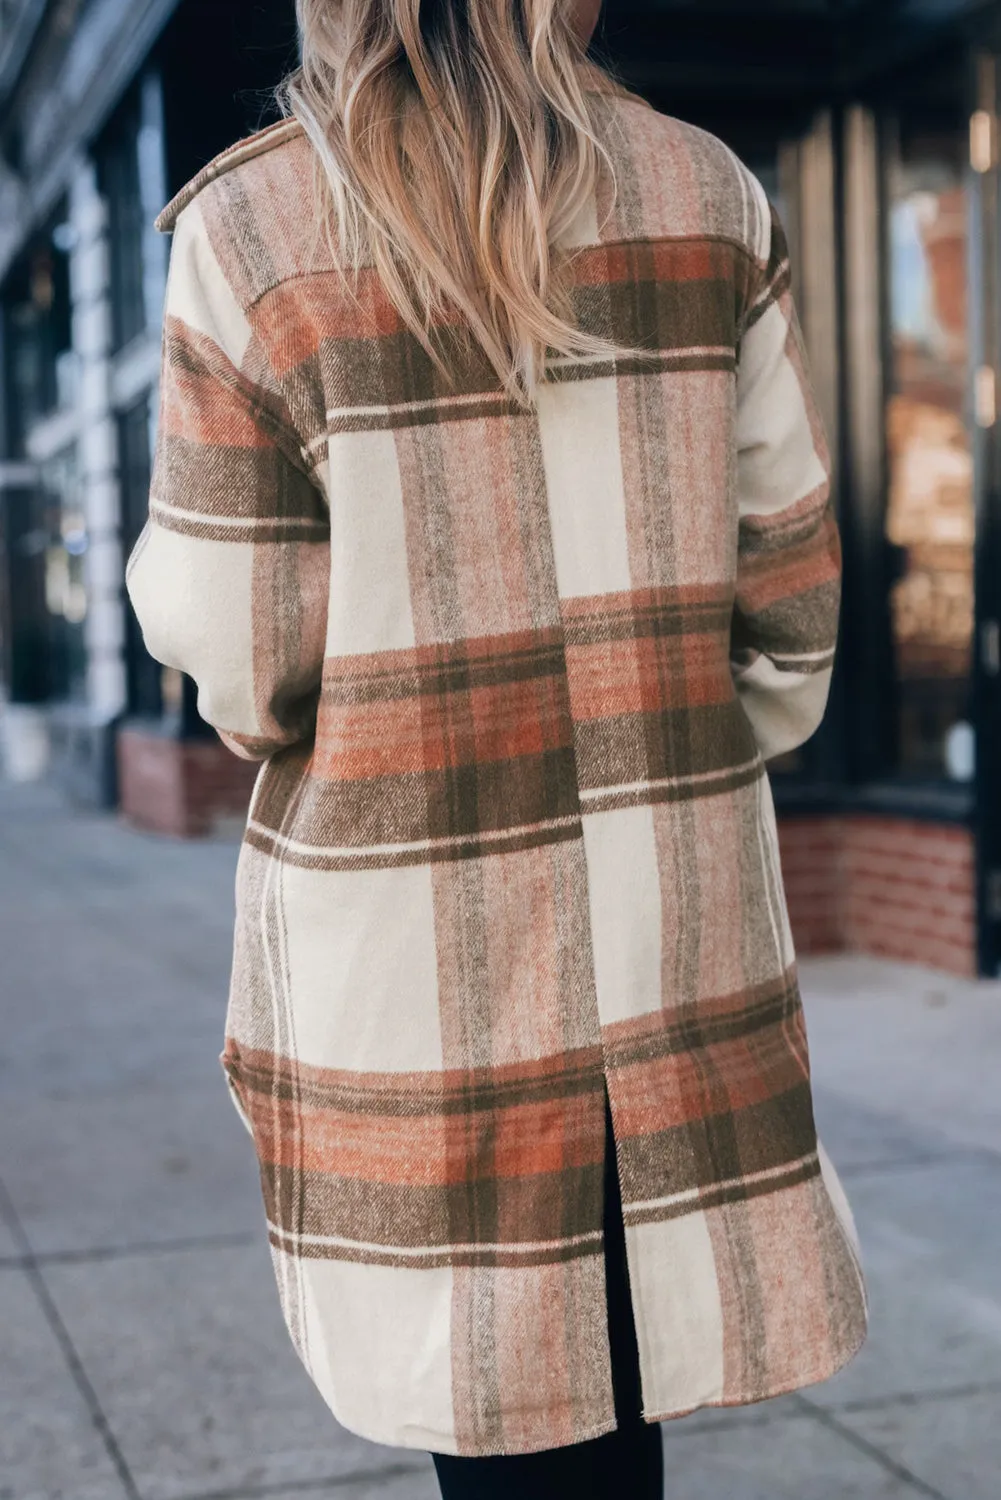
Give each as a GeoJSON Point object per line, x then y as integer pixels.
{"type": "Point", "coordinates": [233, 156]}
{"type": "Point", "coordinates": [285, 130]}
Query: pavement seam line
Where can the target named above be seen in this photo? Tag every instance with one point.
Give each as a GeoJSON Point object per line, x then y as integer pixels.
{"type": "Point", "coordinates": [304, 1486]}
{"type": "Point", "coordinates": [871, 1450]}
{"type": "Point", "coordinates": [736, 1416]}
{"type": "Point", "coordinates": [140, 1248]}
{"type": "Point", "coordinates": [918, 1398]}
{"type": "Point", "coordinates": [968, 1155]}
{"type": "Point", "coordinates": [75, 1365]}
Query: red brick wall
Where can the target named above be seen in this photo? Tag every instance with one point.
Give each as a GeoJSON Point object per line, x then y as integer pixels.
{"type": "Point", "coordinates": [895, 887]}
{"type": "Point", "coordinates": [811, 867]}
{"type": "Point", "coordinates": [187, 788]}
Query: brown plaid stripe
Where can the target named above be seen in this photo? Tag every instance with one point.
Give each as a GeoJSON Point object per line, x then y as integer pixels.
{"type": "Point", "coordinates": [448, 750]}
{"type": "Point", "coordinates": [714, 1103]}
{"type": "Point", "coordinates": [502, 1165]}
{"type": "Point", "coordinates": [654, 707]}
{"type": "Point", "coordinates": [222, 444]}
{"type": "Point", "coordinates": [790, 586]}
{"type": "Point", "coordinates": [679, 299]}
{"type": "Point", "coordinates": [441, 752]}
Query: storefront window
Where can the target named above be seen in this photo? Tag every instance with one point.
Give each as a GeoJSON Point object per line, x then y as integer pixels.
{"type": "Point", "coordinates": [65, 579]}
{"type": "Point", "coordinates": [929, 515]}
{"type": "Point", "coordinates": [41, 370]}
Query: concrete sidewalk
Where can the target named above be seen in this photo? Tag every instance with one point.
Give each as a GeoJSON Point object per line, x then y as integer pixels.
{"type": "Point", "coordinates": [142, 1353]}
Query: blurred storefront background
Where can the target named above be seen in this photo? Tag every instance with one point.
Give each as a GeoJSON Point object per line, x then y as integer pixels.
{"type": "Point", "coordinates": [873, 124]}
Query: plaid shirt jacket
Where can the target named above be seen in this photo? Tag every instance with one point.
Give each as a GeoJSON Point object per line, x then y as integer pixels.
{"type": "Point", "coordinates": [513, 679]}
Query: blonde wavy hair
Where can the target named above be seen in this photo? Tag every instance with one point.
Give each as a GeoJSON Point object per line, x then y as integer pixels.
{"type": "Point", "coordinates": [455, 142]}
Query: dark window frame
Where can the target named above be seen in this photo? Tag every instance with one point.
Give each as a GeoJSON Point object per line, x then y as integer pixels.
{"type": "Point", "coordinates": [117, 157]}
{"type": "Point", "coordinates": [143, 675]}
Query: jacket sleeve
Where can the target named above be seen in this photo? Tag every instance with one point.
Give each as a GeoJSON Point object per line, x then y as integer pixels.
{"type": "Point", "coordinates": [229, 578]}
{"type": "Point", "coordinates": [788, 589]}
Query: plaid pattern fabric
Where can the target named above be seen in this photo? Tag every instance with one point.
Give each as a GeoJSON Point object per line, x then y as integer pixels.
{"type": "Point", "coordinates": [513, 679]}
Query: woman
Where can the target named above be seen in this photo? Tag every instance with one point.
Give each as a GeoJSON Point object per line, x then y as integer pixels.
{"type": "Point", "coordinates": [491, 514]}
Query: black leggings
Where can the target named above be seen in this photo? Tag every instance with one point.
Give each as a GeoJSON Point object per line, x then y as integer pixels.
{"type": "Point", "coordinates": [626, 1462]}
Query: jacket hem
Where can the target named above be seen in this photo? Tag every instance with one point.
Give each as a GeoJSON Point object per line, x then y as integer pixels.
{"type": "Point", "coordinates": [433, 1442]}
{"type": "Point", "coordinates": [801, 1383]}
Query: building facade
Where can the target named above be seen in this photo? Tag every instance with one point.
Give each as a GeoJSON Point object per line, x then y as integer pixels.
{"type": "Point", "coordinates": [873, 124]}
{"type": "Point", "coordinates": [106, 108]}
